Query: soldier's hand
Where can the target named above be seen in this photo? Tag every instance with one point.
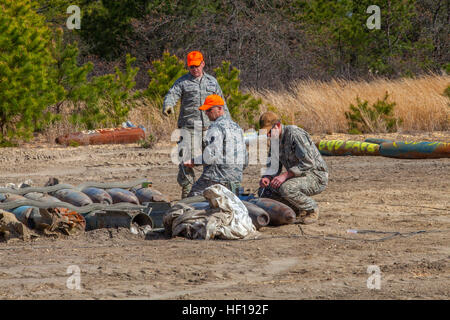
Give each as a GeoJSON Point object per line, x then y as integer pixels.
{"type": "Point", "coordinates": [264, 182]}
{"type": "Point", "coordinates": [168, 110]}
{"type": "Point", "coordinates": [279, 180]}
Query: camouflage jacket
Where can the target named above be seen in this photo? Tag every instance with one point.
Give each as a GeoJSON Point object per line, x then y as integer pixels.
{"type": "Point", "coordinates": [298, 153]}
{"type": "Point", "coordinates": [225, 156]}
{"type": "Point", "coordinates": [192, 93]}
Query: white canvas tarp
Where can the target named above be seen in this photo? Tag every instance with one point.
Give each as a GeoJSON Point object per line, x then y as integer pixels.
{"type": "Point", "coordinates": [227, 218]}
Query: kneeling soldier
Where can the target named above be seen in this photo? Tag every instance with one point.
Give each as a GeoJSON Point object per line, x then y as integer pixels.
{"type": "Point", "coordinates": [225, 156]}
{"type": "Point", "coordinates": [307, 172]}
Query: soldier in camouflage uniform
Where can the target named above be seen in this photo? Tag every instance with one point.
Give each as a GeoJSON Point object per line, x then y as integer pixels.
{"type": "Point", "coordinates": [192, 89]}
{"type": "Point", "coordinates": [306, 175]}
{"type": "Point", "coordinates": [225, 156]}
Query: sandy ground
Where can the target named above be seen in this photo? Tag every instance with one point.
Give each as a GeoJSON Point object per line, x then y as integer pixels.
{"type": "Point", "coordinates": [323, 262]}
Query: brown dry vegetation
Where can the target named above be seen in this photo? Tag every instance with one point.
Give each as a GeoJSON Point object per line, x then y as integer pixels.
{"type": "Point", "coordinates": [320, 107]}
{"type": "Point", "coordinates": [148, 114]}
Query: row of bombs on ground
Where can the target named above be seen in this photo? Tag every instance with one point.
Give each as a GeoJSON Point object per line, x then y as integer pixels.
{"type": "Point", "coordinates": [111, 207]}
{"type": "Point", "coordinates": [263, 211]}
{"type": "Point", "coordinates": [91, 195]}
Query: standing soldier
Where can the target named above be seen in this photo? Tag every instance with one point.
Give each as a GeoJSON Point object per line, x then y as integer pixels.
{"type": "Point", "coordinates": [225, 156]}
{"type": "Point", "coordinates": [192, 89]}
{"type": "Point", "coordinates": [307, 172]}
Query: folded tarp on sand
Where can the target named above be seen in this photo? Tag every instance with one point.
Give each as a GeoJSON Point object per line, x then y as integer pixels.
{"type": "Point", "coordinates": [227, 218]}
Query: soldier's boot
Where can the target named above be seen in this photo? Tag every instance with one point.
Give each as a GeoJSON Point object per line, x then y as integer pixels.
{"type": "Point", "coordinates": [185, 190]}
{"type": "Point", "coordinates": [308, 217]}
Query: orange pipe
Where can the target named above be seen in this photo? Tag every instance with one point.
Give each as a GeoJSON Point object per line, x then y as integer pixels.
{"type": "Point", "coordinates": [103, 136]}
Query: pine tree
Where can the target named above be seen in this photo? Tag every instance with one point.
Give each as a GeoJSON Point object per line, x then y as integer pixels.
{"type": "Point", "coordinates": [117, 94]}
{"type": "Point", "coordinates": [340, 27]}
{"type": "Point", "coordinates": [25, 86]}
{"type": "Point", "coordinates": [66, 72]}
{"type": "Point", "coordinates": [109, 98]}
{"type": "Point", "coordinates": [243, 107]}
{"type": "Point", "coordinates": [99, 102]}
{"type": "Point", "coordinates": [165, 72]}
{"type": "Point", "coordinates": [107, 24]}
{"type": "Point", "coordinates": [379, 117]}
{"type": "Point", "coordinates": [70, 80]}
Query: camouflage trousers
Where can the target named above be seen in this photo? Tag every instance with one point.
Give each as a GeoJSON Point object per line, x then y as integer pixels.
{"type": "Point", "coordinates": [201, 184]}
{"type": "Point", "coordinates": [186, 176]}
{"type": "Point", "coordinates": [296, 191]}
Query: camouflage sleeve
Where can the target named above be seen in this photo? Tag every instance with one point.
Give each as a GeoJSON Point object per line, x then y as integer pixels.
{"type": "Point", "coordinates": [302, 152]}
{"type": "Point", "coordinates": [174, 94]}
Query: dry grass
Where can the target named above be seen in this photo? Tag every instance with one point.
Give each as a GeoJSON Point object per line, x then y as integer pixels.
{"type": "Point", "coordinates": [62, 127]}
{"type": "Point", "coordinates": [59, 128]}
{"type": "Point", "coordinates": [149, 115]}
{"type": "Point", "coordinates": [320, 107]}
{"type": "Point", "coordinates": [144, 113]}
